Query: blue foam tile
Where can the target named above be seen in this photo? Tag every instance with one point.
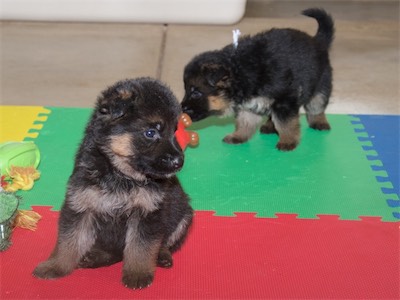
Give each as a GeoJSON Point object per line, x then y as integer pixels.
{"type": "Point", "coordinates": [393, 203]}
{"type": "Point", "coordinates": [384, 134]}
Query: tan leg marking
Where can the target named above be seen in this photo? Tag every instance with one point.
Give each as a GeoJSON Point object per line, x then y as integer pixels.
{"type": "Point", "coordinates": [318, 122]}
{"type": "Point", "coordinates": [246, 126]}
{"type": "Point", "coordinates": [289, 133]}
{"type": "Point", "coordinates": [140, 258]}
{"type": "Point", "coordinates": [315, 111]}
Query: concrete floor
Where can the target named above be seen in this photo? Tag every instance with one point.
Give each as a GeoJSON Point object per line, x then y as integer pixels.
{"type": "Point", "coordinates": [68, 64]}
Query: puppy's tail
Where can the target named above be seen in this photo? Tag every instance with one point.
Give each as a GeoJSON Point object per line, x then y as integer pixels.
{"type": "Point", "coordinates": [326, 29]}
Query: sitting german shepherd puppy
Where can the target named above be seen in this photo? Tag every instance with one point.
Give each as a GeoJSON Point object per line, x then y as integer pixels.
{"type": "Point", "coordinates": [123, 200]}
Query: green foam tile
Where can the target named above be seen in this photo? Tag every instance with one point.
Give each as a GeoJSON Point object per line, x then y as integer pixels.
{"type": "Point", "coordinates": [328, 173]}
{"type": "Point", "coordinates": [58, 141]}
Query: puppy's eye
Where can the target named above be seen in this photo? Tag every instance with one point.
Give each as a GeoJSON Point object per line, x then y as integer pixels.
{"type": "Point", "coordinates": [196, 95]}
{"type": "Point", "coordinates": [151, 133]}
{"type": "Point", "coordinates": [103, 111]}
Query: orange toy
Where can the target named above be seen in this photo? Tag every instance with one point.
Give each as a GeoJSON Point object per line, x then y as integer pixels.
{"type": "Point", "coordinates": [186, 137]}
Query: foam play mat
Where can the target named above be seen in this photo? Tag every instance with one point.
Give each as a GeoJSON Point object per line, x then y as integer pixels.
{"type": "Point", "coordinates": [318, 222]}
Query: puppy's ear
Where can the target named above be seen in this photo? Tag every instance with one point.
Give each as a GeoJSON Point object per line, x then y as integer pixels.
{"type": "Point", "coordinates": [112, 111]}
{"type": "Point", "coordinates": [121, 101]}
{"type": "Point", "coordinates": [216, 75]}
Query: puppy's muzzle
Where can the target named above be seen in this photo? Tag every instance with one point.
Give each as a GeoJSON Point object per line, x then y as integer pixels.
{"type": "Point", "coordinates": [171, 162]}
{"type": "Point", "coordinates": [197, 109]}
{"type": "Point", "coordinates": [187, 110]}
{"type": "Point", "coordinates": [195, 114]}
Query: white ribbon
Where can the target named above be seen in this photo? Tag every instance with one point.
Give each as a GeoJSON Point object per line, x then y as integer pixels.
{"type": "Point", "coordinates": [236, 34]}
{"type": "Point", "coordinates": [3, 236]}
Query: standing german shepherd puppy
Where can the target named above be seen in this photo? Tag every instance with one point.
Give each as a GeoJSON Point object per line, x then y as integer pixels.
{"type": "Point", "coordinates": [123, 200]}
{"type": "Point", "coordinates": [271, 74]}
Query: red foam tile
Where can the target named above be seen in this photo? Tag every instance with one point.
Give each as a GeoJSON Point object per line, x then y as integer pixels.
{"type": "Point", "coordinates": [230, 257]}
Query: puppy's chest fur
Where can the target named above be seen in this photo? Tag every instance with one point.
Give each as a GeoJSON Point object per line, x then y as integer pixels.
{"type": "Point", "coordinates": [259, 105]}
{"type": "Point", "coordinates": [116, 203]}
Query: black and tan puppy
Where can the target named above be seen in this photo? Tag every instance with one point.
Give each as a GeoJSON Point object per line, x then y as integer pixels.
{"type": "Point", "coordinates": [271, 74]}
{"type": "Point", "coordinates": [123, 200]}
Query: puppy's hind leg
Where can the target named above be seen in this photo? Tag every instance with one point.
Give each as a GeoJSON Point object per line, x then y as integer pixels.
{"type": "Point", "coordinates": [315, 112]}
{"type": "Point", "coordinates": [246, 126]}
{"type": "Point", "coordinates": [175, 240]}
{"type": "Point", "coordinates": [288, 129]}
{"type": "Point", "coordinates": [315, 109]}
{"type": "Point", "coordinates": [164, 259]}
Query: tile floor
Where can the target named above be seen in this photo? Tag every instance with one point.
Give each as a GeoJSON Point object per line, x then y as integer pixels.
{"type": "Point", "coordinates": [68, 64]}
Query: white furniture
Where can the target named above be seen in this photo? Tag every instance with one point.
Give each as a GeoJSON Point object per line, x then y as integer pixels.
{"type": "Point", "coordinates": [143, 11]}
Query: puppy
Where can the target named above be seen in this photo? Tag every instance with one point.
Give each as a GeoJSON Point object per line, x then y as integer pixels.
{"type": "Point", "coordinates": [123, 200]}
{"type": "Point", "coordinates": [271, 74]}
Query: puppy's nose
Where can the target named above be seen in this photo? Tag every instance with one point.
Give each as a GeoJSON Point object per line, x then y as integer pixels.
{"type": "Point", "coordinates": [175, 162]}
{"type": "Point", "coordinates": [187, 110]}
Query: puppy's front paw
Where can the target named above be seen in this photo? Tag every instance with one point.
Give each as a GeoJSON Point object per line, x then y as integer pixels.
{"type": "Point", "coordinates": [137, 280]}
{"type": "Point", "coordinates": [49, 270]}
{"type": "Point", "coordinates": [233, 139]}
{"type": "Point", "coordinates": [285, 146]}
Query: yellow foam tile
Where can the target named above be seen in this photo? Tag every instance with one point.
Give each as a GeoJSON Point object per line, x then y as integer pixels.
{"type": "Point", "coordinates": [17, 121]}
